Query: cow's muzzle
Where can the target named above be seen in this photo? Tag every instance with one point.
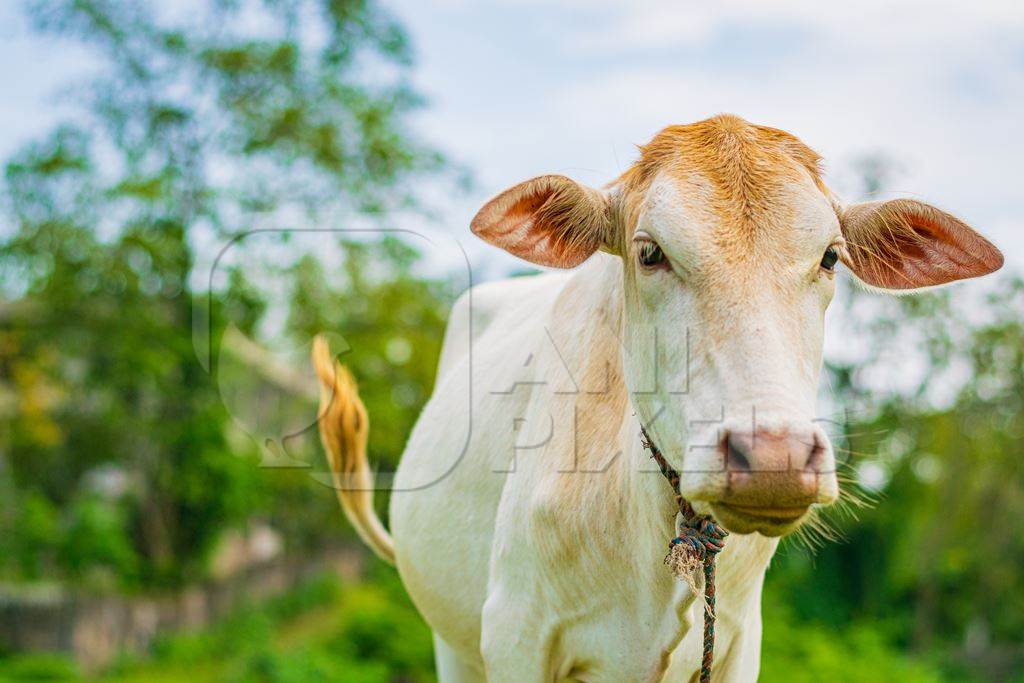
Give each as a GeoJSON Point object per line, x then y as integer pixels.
{"type": "Point", "coordinates": [773, 477]}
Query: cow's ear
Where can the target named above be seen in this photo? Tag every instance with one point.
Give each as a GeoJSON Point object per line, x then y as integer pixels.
{"type": "Point", "coordinates": [551, 221]}
{"type": "Point", "coordinates": [904, 244]}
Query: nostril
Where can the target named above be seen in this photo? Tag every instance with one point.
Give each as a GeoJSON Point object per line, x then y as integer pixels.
{"type": "Point", "coordinates": [736, 458]}
{"type": "Point", "coordinates": [816, 460]}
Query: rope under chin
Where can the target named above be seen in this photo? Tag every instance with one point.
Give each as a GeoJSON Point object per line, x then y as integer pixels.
{"type": "Point", "coordinates": [700, 539]}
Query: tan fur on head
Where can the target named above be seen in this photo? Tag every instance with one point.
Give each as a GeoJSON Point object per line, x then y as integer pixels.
{"type": "Point", "coordinates": [344, 429]}
{"type": "Point", "coordinates": [744, 164]}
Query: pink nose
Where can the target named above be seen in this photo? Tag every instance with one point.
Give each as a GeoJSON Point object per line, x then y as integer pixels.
{"type": "Point", "coordinates": [778, 468]}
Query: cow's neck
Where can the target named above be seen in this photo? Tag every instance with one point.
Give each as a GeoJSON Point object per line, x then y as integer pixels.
{"type": "Point", "coordinates": [617, 486]}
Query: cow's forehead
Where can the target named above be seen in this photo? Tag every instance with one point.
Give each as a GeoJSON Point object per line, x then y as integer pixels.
{"type": "Point", "coordinates": [735, 185]}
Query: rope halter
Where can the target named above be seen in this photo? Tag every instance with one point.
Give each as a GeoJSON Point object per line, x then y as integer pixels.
{"type": "Point", "coordinates": [700, 539]}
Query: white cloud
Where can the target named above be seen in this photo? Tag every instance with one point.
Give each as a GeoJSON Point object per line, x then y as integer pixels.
{"type": "Point", "coordinates": [879, 24]}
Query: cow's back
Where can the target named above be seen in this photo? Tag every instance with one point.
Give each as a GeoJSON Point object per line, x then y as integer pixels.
{"type": "Point", "coordinates": [498, 309]}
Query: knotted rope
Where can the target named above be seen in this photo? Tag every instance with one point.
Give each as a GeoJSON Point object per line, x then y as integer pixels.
{"type": "Point", "coordinates": [700, 539]}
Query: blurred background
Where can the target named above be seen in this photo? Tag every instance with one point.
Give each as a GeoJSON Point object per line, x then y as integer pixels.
{"type": "Point", "coordinates": [192, 190]}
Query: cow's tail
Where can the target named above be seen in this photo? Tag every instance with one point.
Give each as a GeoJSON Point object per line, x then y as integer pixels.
{"type": "Point", "coordinates": [343, 429]}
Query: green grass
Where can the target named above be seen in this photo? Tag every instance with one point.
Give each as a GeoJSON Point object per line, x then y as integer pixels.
{"type": "Point", "coordinates": [370, 633]}
{"type": "Point", "coordinates": [795, 651]}
{"type": "Point", "coordinates": [322, 632]}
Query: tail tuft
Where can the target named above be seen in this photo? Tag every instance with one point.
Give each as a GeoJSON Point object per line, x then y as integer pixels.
{"type": "Point", "coordinates": [344, 428]}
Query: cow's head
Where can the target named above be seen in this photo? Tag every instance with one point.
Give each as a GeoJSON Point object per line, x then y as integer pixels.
{"type": "Point", "coordinates": [729, 242]}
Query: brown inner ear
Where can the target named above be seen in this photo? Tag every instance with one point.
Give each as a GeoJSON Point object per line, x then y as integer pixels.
{"type": "Point", "coordinates": [905, 244]}
{"type": "Point", "coordinates": [524, 212]}
{"type": "Point", "coordinates": [550, 221]}
{"type": "Point", "coordinates": [523, 209]}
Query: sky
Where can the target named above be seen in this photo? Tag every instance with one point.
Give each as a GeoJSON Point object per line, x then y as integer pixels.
{"type": "Point", "coordinates": [524, 87]}
{"type": "Point", "coordinates": [517, 88]}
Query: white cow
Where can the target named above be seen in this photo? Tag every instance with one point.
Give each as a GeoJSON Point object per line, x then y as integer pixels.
{"type": "Point", "coordinates": [528, 523]}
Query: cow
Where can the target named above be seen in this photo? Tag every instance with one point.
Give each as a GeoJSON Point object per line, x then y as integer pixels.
{"type": "Point", "coordinates": [527, 521]}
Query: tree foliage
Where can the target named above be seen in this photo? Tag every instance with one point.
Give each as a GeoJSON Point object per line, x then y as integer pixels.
{"type": "Point", "coordinates": [203, 121]}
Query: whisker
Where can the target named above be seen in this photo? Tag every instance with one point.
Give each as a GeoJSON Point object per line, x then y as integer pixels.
{"type": "Point", "coordinates": [822, 524]}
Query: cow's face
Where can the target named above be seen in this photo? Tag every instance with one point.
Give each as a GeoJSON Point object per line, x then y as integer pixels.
{"type": "Point", "coordinates": [729, 242]}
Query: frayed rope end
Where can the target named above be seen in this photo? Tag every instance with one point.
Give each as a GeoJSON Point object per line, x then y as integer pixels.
{"type": "Point", "coordinates": [686, 563]}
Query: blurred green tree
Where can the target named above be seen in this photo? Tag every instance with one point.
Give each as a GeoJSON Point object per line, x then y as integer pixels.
{"type": "Point", "coordinates": [201, 122]}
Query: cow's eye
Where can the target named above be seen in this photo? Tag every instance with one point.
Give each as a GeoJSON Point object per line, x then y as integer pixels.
{"type": "Point", "coordinates": [829, 260]}
{"type": "Point", "coordinates": [650, 254]}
